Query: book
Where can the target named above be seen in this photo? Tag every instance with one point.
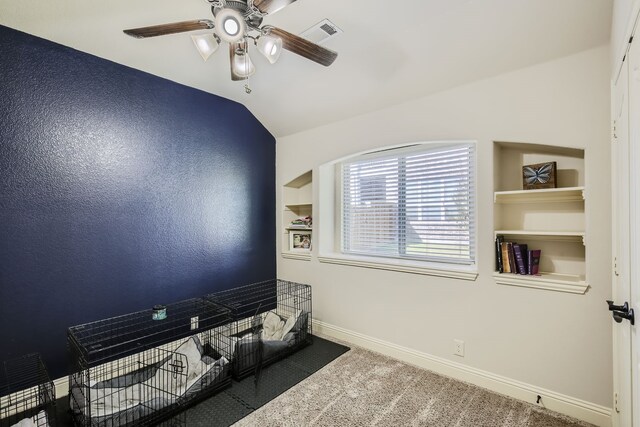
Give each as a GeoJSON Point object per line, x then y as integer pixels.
{"type": "Point", "coordinates": [499, 266]}
{"type": "Point", "coordinates": [524, 248]}
{"type": "Point", "coordinates": [534, 261]}
{"type": "Point", "coordinates": [512, 258]}
{"type": "Point", "coordinates": [517, 251]}
{"type": "Point", "coordinates": [505, 257]}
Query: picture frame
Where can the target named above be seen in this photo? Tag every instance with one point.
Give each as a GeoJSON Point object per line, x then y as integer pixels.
{"type": "Point", "coordinates": [299, 241]}
{"type": "Point", "coordinates": [539, 175]}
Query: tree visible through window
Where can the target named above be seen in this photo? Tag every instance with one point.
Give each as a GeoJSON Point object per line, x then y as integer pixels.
{"type": "Point", "coordinates": [412, 204]}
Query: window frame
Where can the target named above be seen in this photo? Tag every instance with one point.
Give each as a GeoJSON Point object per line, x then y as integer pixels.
{"type": "Point", "coordinates": [333, 253]}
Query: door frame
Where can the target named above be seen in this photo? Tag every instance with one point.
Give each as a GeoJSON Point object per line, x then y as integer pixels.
{"type": "Point", "coordinates": [634, 217]}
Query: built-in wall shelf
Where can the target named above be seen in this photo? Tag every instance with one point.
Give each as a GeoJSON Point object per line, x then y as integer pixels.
{"type": "Point", "coordinates": [297, 200]}
{"type": "Point", "coordinates": [546, 195]}
{"type": "Point", "coordinates": [300, 181]}
{"type": "Point", "coordinates": [299, 206]}
{"type": "Point", "coordinates": [551, 220]}
{"type": "Point", "coordinates": [296, 255]}
{"type": "Point", "coordinates": [550, 281]}
{"type": "Point", "coordinates": [557, 236]}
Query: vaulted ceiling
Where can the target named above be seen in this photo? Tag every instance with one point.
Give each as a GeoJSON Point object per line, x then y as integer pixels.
{"type": "Point", "coordinates": [390, 51]}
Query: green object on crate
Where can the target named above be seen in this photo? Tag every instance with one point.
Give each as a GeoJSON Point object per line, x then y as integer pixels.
{"type": "Point", "coordinates": [159, 312]}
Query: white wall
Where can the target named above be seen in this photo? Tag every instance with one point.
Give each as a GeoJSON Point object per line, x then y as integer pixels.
{"type": "Point", "coordinates": [558, 341]}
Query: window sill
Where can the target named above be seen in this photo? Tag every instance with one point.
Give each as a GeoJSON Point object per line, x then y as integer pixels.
{"type": "Point", "coordinates": [402, 266]}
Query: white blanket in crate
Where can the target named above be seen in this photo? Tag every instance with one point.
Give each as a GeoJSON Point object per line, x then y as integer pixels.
{"type": "Point", "coordinates": [162, 385]}
{"type": "Point", "coordinates": [38, 420]}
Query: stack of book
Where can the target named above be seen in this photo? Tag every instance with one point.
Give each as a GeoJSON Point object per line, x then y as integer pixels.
{"type": "Point", "coordinates": [515, 258]}
{"type": "Point", "coordinates": [301, 223]}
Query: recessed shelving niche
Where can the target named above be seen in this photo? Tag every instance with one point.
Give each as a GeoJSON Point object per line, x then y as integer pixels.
{"type": "Point", "coordinates": [297, 197]}
{"type": "Point", "coordinates": [552, 220]}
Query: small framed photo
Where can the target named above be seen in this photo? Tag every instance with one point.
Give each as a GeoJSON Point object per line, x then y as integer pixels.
{"type": "Point", "coordinates": [299, 241]}
{"type": "Point", "coordinates": [540, 175]}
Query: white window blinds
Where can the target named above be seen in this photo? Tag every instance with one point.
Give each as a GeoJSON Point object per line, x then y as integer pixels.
{"type": "Point", "coordinates": [416, 204]}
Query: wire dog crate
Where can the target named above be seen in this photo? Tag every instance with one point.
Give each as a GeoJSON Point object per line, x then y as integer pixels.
{"type": "Point", "coordinates": [27, 393]}
{"type": "Point", "coordinates": [272, 319]}
{"type": "Point", "coordinates": [134, 370]}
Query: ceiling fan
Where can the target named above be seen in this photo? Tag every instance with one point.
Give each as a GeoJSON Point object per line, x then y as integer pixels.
{"type": "Point", "coordinates": [237, 22]}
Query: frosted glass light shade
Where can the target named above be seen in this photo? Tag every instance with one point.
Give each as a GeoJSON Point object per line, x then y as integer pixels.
{"type": "Point", "coordinates": [206, 44]}
{"type": "Point", "coordinates": [270, 47]}
{"type": "Point", "coordinates": [230, 25]}
{"type": "Point", "coordinates": [242, 65]}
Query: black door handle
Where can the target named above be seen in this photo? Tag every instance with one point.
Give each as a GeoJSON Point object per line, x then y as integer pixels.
{"type": "Point", "coordinates": [624, 307]}
{"type": "Point", "coordinates": [619, 315]}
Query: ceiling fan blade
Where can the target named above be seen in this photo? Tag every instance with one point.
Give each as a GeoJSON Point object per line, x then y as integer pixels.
{"type": "Point", "coordinates": [271, 6]}
{"type": "Point", "coordinates": [175, 27]}
{"type": "Point", "coordinates": [304, 47]}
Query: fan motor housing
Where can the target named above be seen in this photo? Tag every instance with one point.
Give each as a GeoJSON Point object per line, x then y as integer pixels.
{"type": "Point", "coordinates": [252, 20]}
{"type": "Point", "coordinates": [240, 6]}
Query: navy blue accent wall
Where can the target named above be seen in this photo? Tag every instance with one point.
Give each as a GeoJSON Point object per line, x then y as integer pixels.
{"type": "Point", "coordinates": [119, 190]}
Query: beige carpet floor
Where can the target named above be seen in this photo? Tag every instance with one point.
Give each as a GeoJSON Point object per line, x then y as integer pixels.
{"type": "Point", "coordinates": [362, 388]}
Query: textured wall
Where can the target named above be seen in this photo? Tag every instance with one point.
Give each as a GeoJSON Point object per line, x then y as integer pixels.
{"type": "Point", "coordinates": [119, 190]}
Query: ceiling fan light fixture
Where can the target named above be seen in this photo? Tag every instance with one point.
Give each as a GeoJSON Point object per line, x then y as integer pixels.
{"type": "Point", "coordinates": [242, 65]}
{"type": "Point", "coordinates": [270, 47]}
{"type": "Point", "coordinates": [238, 21]}
{"type": "Point", "coordinates": [206, 44]}
{"type": "Point", "coordinates": [230, 25]}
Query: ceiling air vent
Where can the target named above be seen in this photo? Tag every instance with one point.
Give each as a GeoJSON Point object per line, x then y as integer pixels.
{"type": "Point", "coordinates": [321, 31]}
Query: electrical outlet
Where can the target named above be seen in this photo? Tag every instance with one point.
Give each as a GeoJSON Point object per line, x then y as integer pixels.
{"type": "Point", "coordinates": [195, 321]}
{"type": "Point", "coordinates": [458, 348]}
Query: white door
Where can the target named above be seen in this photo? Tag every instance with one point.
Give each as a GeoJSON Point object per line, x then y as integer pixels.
{"type": "Point", "coordinates": [626, 239]}
{"type": "Point", "coordinates": [622, 384]}
{"type": "Point", "coordinates": [634, 187]}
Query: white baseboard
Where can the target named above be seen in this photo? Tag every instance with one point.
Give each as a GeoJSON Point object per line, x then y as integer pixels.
{"type": "Point", "coordinates": [577, 408]}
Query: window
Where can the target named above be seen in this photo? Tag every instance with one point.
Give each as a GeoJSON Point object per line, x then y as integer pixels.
{"type": "Point", "coordinates": [411, 203]}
